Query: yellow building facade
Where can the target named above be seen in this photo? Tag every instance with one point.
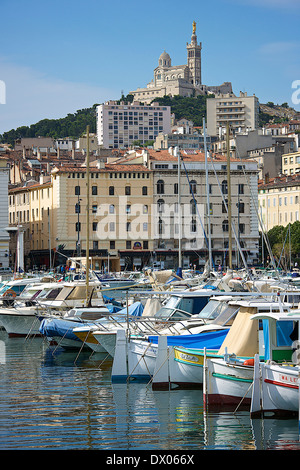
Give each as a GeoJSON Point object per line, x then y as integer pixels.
{"type": "Point", "coordinates": [279, 201]}
{"type": "Point", "coordinates": [53, 215]}
{"type": "Point", "coordinates": [291, 163]}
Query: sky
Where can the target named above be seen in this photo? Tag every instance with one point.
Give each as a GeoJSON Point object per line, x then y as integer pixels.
{"type": "Point", "coordinates": [61, 56]}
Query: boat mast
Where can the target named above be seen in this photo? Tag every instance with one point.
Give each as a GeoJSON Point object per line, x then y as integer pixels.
{"type": "Point", "coordinates": [207, 199]}
{"type": "Point", "coordinates": [177, 152]}
{"type": "Point", "coordinates": [229, 199]}
{"type": "Point", "coordinates": [87, 212]}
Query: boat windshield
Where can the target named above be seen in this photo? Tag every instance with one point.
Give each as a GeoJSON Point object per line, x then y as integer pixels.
{"type": "Point", "coordinates": [4, 289]}
{"type": "Point", "coordinates": [217, 310]}
{"type": "Point", "coordinates": [18, 288]}
{"type": "Point", "coordinates": [227, 314]}
{"type": "Point", "coordinates": [178, 308]}
{"type": "Point", "coordinates": [30, 293]}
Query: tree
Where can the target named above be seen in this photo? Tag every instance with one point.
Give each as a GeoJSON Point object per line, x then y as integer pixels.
{"type": "Point", "coordinates": [280, 242]}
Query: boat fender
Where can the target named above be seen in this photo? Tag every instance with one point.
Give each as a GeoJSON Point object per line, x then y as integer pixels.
{"type": "Point", "coordinates": [249, 362]}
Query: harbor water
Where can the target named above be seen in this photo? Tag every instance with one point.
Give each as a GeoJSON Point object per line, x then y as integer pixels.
{"type": "Point", "coordinates": [52, 399]}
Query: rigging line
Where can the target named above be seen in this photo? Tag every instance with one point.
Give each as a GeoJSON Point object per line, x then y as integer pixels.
{"type": "Point", "coordinates": [232, 224]}
{"type": "Point", "coordinates": [261, 223]}
{"type": "Point", "coordinates": [286, 235]}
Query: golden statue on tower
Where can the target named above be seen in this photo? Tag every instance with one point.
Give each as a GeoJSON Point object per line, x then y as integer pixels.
{"type": "Point", "coordinates": [194, 27]}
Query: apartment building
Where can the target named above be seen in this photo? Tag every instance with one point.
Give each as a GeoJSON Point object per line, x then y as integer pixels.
{"type": "Point", "coordinates": [279, 200]}
{"type": "Point", "coordinates": [30, 216]}
{"type": "Point", "coordinates": [135, 213]}
{"type": "Point", "coordinates": [53, 217]}
{"type": "Point", "coordinates": [194, 218]}
{"type": "Point", "coordinates": [241, 112]}
{"type": "Point", "coordinates": [120, 125]}
{"type": "Point", "coordinates": [291, 163]}
{"type": "Point", "coordinates": [4, 236]}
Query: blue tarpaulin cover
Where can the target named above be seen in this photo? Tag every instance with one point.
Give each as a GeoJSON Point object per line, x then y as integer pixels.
{"type": "Point", "coordinates": [59, 327]}
{"type": "Point", "coordinates": [136, 309]}
{"type": "Point", "coordinates": [210, 340]}
{"type": "Point", "coordinates": [64, 328]}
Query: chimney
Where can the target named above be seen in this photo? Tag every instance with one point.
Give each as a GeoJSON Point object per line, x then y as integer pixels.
{"type": "Point", "coordinates": [266, 178]}
{"type": "Point", "coordinates": [58, 152]}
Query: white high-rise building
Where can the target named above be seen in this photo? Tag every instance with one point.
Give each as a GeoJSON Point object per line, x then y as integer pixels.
{"type": "Point", "coordinates": [120, 125]}
{"type": "Point", "coordinates": [241, 112]}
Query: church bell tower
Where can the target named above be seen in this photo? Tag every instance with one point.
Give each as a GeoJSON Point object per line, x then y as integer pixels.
{"type": "Point", "coordinates": [194, 58]}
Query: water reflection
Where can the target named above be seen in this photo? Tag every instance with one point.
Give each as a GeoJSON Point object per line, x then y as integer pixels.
{"type": "Point", "coordinates": [54, 399]}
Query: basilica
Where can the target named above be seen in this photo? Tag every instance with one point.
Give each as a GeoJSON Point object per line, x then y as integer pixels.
{"type": "Point", "coordinates": [183, 80]}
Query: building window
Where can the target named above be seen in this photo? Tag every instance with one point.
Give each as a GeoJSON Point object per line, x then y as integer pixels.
{"type": "Point", "coordinates": [127, 190]}
{"type": "Point", "coordinates": [225, 226]}
{"type": "Point", "coordinates": [160, 186]}
{"type": "Point", "coordinates": [224, 206]}
{"type": "Point", "coordinates": [128, 226]}
{"type": "Point", "coordinates": [193, 226]}
{"type": "Point", "coordinates": [145, 245]}
{"type": "Point", "coordinates": [145, 209]}
{"type": "Point", "coordinates": [193, 187]}
{"type": "Point", "coordinates": [94, 190]}
{"type": "Point", "coordinates": [224, 187]}
{"type": "Point", "coordinates": [192, 207]}
{"type": "Point", "coordinates": [77, 208]}
{"type": "Point", "coordinates": [241, 188]}
{"type": "Point", "coordinates": [242, 228]}
{"type": "Point", "coordinates": [128, 244]}
{"type": "Point", "coordinates": [160, 205]}
{"type": "Point", "coordinates": [94, 209]}
{"type": "Point", "coordinates": [95, 224]}
{"type": "Point", "coordinates": [241, 207]}
{"type": "Point", "coordinates": [95, 245]}
{"type": "Point", "coordinates": [144, 191]}
{"type": "Point", "coordinates": [160, 227]}
{"type": "Point", "coordinates": [111, 190]}
{"type": "Point", "coordinates": [175, 188]}
{"type": "Point", "coordinates": [77, 190]}
{"type": "Point", "coordinates": [111, 209]}
{"type": "Point", "coordinates": [78, 226]}
{"type": "Point", "coordinates": [128, 209]}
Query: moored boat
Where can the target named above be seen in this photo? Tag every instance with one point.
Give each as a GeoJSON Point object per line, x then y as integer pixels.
{"type": "Point", "coordinates": [276, 380]}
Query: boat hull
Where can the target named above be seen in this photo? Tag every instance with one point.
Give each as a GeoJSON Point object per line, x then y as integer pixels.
{"type": "Point", "coordinates": [106, 340]}
{"type": "Point", "coordinates": [88, 338]}
{"type": "Point", "coordinates": [280, 389]}
{"type": "Point", "coordinates": [186, 367]}
{"type": "Point", "coordinates": [19, 323]}
{"type": "Point", "coordinates": [141, 359]}
{"type": "Point", "coordinates": [227, 384]}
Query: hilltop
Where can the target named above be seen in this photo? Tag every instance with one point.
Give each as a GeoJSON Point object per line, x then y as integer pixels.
{"type": "Point", "coordinates": [276, 113]}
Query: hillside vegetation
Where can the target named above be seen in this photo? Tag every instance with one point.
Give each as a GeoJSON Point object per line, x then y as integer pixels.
{"type": "Point", "coordinates": [191, 108]}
